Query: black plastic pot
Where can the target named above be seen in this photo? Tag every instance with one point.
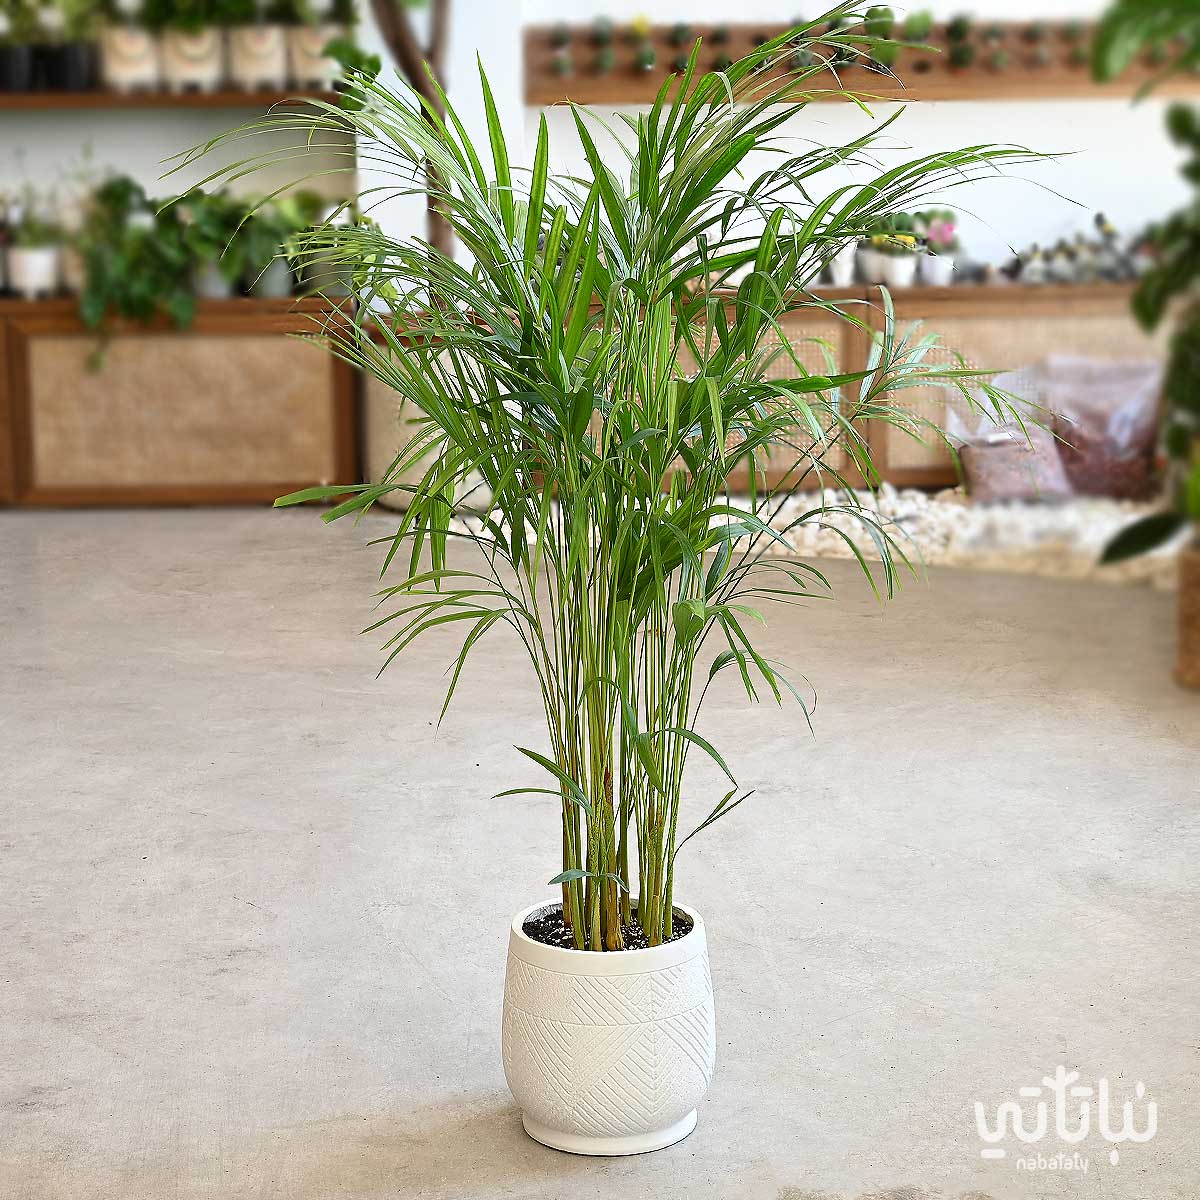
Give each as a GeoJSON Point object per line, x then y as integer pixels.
{"type": "Point", "coordinates": [66, 67]}
{"type": "Point", "coordinates": [16, 68]}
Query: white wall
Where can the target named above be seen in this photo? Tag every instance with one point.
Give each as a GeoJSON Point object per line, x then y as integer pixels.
{"type": "Point", "coordinates": [1119, 160]}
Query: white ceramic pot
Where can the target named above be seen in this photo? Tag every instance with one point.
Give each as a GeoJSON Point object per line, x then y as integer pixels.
{"type": "Point", "coordinates": [258, 57]}
{"type": "Point", "coordinates": [870, 265]}
{"type": "Point", "coordinates": [33, 270]}
{"type": "Point", "coordinates": [841, 265]}
{"type": "Point", "coordinates": [608, 1053]}
{"type": "Point", "coordinates": [209, 284]}
{"type": "Point", "coordinates": [193, 61]}
{"type": "Point", "coordinates": [129, 59]}
{"type": "Point", "coordinates": [309, 66]}
{"type": "Point", "coordinates": [899, 270]}
{"type": "Point", "coordinates": [937, 270]}
{"type": "Point", "coordinates": [274, 282]}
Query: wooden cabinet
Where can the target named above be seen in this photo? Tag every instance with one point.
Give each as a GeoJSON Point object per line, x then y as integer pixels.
{"type": "Point", "coordinates": [231, 411]}
{"type": "Point", "coordinates": [227, 411]}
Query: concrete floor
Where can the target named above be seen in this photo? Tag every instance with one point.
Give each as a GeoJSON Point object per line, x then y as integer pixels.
{"type": "Point", "coordinates": [253, 910]}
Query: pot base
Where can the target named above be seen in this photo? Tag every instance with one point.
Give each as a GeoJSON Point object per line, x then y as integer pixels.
{"type": "Point", "coordinates": [608, 1147]}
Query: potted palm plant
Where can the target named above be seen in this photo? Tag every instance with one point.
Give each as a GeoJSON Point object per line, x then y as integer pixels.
{"type": "Point", "coordinates": [593, 370]}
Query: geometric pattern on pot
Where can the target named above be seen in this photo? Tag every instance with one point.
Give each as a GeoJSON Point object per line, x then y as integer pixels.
{"type": "Point", "coordinates": [609, 1055]}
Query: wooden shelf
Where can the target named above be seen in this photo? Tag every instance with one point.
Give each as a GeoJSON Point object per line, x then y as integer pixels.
{"type": "Point", "coordinates": [103, 99]}
{"type": "Point", "coordinates": [1049, 68]}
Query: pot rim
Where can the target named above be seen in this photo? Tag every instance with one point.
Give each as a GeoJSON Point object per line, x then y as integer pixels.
{"type": "Point", "coordinates": [616, 962]}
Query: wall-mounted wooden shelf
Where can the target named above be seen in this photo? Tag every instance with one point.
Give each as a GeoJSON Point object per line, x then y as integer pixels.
{"type": "Point", "coordinates": [1040, 61]}
{"type": "Point", "coordinates": [227, 98]}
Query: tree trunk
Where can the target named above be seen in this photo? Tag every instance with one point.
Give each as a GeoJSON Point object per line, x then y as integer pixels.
{"type": "Point", "coordinates": [417, 66]}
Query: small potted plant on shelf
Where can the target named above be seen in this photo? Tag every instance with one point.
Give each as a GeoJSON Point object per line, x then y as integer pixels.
{"type": "Point", "coordinates": [18, 23]}
{"type": "Point", "coordinates": [258, 49]}
{"type": "Point", "coordinates": [193, 43]}
{"type": "Point", "coordinates": [136, 262]}
{"type": "Point", "coordinates": [938, 229]}
{"type": "Point", "coordinates": [130, 51]}
{"type": "Point", "coordinates": [317, 24]}
{"type": "Point", "coordinates": [264, 237]}
{"type": "Point", "coordinates": [65, 53]}
{"type": "Point", "coordinates": [35, 241]}
{"type": "Point", "coordinates": [900, 251]}
{"type": "Point", "coordinates": [212, 223]}
{"type": "Point", "coordinates": [592, 367]}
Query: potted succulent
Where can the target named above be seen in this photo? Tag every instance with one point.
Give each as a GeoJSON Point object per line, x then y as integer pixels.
{"type": "Point", "coordinates": [130, 57]}
{"type": "Point", "coordinates": [34, 254]}
{"type": "Point", "coordinates": [1169, 290]}
{"type": "Point", "coordinates": [258, 43]}
{"type": "Point", "coordinates": [318, 23]}
{"type": "Point", "coordinates": [593, 369]}
{"type": "Point", "coordinates": [193, 43]}
{"type": "Point", "coordinates": [17, 27]}
{"type": "Point", "coordinates": [938, 229]}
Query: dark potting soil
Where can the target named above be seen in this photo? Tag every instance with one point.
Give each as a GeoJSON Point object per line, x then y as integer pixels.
{"type": "Point", "coordinates": [546, 926]}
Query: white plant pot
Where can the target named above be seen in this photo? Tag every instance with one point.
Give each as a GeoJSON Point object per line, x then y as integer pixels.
{"type": "Point", "coordinates": [309, 66]}
{"type": "Point", "coordinates": [870, 265]}
{"type": "Point", "coordinates": [193, 62]}
{"type": "Point", "coordinates": [258, 57]}
{"type": "Point", "coordinates": [209, 284]}
{"type": "Point", "coordinates": [937, 270]}
{"type": "Point", "coordinates": [841, 265]}
{"type": "Point", "coordinates": [274, 282]}
{"type": "Point", "coordinates": [130, 59]}
{"type": "Point", "coordinates": [33, 271]}
{"type": "Point", "coordinates": [899, 270]}
{"type": "Point", "coordinates": [608, 1053]}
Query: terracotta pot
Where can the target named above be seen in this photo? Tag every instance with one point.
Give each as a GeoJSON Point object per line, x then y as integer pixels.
{"type": "Point", "coordinates": [1187, 669]}
{"type": "Point", "coordinates": [306, 55]}
{"type": "Point", "coordinates": [258, 57]}
{"type": "Point", "coordinates": [129, 59]}
{"type": "Point", "coordinates": [608, 1053]}
{"type": "Point", "coordinates": [193, 62]}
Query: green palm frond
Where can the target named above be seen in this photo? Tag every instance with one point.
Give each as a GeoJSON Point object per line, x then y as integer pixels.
{"type": "Point", "coordinates": [590, 379]}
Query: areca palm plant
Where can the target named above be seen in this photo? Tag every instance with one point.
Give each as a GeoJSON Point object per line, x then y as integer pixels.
{"type": "Point", "coordinates": [589, 382]}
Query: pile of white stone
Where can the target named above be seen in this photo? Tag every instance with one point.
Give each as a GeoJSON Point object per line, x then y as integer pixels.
{"type": "Point", "coordinates": [1061, 540]}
